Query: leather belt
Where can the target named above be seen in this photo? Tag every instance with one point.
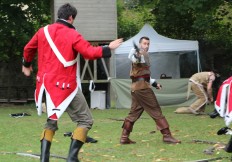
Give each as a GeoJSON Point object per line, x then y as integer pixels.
{"type": "Point", "coordinates": [141, 79]}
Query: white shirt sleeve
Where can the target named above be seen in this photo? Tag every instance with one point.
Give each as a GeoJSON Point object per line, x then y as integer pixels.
{"type": "Point", "coordinates": [133, 59]}
{"type": "Point", "coordinates": [131, 55]}
{"type": "Point", "coordinates": [152, 81]}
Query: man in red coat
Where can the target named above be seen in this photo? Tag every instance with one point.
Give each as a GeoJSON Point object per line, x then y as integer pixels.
{"type": "Point", "coordinates": [58, 45]}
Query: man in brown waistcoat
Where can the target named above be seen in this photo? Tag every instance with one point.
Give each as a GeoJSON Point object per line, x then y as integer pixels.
{"type": "Point", "coordinates": [201, 84]}
{"type": "Point", "coordinates": [143, 97]}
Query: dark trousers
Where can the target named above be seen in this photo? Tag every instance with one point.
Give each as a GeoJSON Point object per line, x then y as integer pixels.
{"type": "Point", "coordinates": [78, 111]}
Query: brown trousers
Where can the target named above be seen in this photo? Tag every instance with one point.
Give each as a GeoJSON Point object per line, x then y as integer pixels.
{"type": "Point", "coordinates": [145, 99]}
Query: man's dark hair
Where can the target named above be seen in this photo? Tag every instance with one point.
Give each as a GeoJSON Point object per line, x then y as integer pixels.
{"type": "Point", "coordinates": [66, 10]}
{"type": "Point", "coordinates": [216, 83]}
{"type": "Point", "coordinates": [146, 38]}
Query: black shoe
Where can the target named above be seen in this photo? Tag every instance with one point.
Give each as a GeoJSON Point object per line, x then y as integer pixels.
{"type": "Point", "coordinates": [214, 114]}
{"type": "Point", "coordinates": [68, 134]}
{"type": "Point", "coordinates": [90, 140]}
{"type": "Point", "coordinates": [223, 130]}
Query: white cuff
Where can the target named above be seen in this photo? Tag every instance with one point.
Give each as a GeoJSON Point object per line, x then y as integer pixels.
{"type": "Point", "coordinates": [152, 81]}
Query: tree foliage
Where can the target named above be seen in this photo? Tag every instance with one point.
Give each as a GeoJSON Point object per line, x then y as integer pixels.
{"type": "Point", "coordinates": [208, 21]}
{"type": "Point", "coordinates": [203, 20]}
{"type": "Point", "coordinates": [132, 15]}
{"type": "Point", "coordinates": [19, 21]}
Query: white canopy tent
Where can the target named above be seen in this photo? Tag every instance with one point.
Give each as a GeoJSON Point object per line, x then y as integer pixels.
{"type": "Point", "coordinates": [164, 53]}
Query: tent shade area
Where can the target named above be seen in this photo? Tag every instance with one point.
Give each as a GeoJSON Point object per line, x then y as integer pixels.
{"type": "Point", "coordinates": [165, 55]}
{"type": "Point", "coordinates": [173, 93]}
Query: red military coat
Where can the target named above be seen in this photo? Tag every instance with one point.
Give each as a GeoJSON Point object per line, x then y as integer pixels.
{"type": "Point", "coordinates": [57, 81]}
{"type": "Point", "coordinates": [223, 103]}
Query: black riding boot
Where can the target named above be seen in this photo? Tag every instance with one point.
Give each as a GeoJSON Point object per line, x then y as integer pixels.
{"type": "Point", "coordinates": [74, 149]}
{"type": "Point", "coordinates": [228, 147]}
{"type": "Point", "coordinates": [45, 150]}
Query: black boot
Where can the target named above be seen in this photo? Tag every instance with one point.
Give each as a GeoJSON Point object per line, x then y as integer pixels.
{"type": "Point", "coordinates": [45, 150]}
{"type": "Point", "coordinates": [228, 147]}
{"type": "Point", "coordinates": [214, 114]}
{"type": "Point", "coordinates": [74, 149]}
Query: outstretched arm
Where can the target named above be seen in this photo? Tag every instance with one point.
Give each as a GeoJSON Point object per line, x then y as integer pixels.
{"type": "Point", "coordinates": [115, 44]}
{"type": "Point", "coordinates": [210, 91]}
{"type": "Point", "coordinates": [131, 55]}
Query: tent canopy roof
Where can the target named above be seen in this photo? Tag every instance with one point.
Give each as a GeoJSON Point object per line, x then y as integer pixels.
{"type": "Point", "coordinates": [158, 43]}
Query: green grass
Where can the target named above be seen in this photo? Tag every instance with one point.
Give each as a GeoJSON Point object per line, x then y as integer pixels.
{"type": "Point", "coordinates": [22, 135]}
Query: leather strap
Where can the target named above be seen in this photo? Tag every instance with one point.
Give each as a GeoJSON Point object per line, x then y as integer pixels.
{"type": "Point", "coordinates": [56, 51]}
{"type": "Point", "coordinates": [135, 79]}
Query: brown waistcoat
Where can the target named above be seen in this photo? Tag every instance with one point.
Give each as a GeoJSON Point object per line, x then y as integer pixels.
{"type": "Point", "coordinates": [140, 69]}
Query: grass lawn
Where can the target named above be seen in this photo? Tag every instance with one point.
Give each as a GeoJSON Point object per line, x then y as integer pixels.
{"type": "Point", "coordinates": [22, 135]}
